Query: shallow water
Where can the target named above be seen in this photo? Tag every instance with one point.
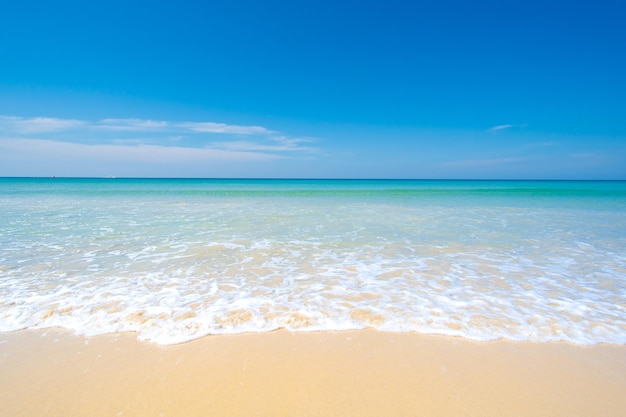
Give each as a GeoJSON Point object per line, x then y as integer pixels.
{"type": "Point", "coordinates": [175, 260]}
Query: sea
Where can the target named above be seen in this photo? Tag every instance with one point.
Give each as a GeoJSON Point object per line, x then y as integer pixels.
{"type": "Point", "coordinates": [178, 259]}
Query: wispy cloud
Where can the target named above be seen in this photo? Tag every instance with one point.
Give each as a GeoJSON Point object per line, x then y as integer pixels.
{"type": "Point", "coordinates": [50, 124]}
{"type": "Point", "coordinates": [143, 125]}
{"type": "Point", "coordinates": [499, 128]}
{"type": "Point", "coordinates": [135, 132]}
{"type": "Point", "coordinates": [49, 149]}
{"type": "Point", "coordinates": [210, 127]}
{"type": "Point", "coordinates": [31, 125]}
{"type": "Point", "coordinates": [132, 125]}
{"type": "Point", "coordinates": [38, 157]}
{"type": "Point", "coordinates": [42, 146]}
{"type": "Point", "coordinates": [276, 144]}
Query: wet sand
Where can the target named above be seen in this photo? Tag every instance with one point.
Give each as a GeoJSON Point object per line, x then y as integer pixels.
{"type": "Point", "coordinates": [351, 373]}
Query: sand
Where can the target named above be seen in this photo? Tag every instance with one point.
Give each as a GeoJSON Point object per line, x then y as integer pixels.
{"type": "Point", "coordinates": [352, 373]}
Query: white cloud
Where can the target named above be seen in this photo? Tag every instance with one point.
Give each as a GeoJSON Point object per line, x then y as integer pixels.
{"type": "Point", "coordinates": [289, 141]}
{"type": "Point", "coordinates": [134, 125]}
{"type": "Point", "coordinates": [504, 127]}
{"type": "Point", "coordinates": [275, 144]}
{"type": "Point", "coordinates": [500, 127]}
{"type": "Point", "coordinates": [134, 131]}
{"type": "Point", "coordinates": [37, 149]}
{"type": "Point", "coordinates": [22, 125]}
{"type": "Point", "coordinates": [32, 125]}
{"type": "Point", "coordinates": [210, 127]}
{"type": "Point", "coordinates": [43, 146]}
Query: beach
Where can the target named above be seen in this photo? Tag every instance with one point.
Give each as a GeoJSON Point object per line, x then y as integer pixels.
{"type": "Point", "coordinates": [313, 209]}
{"type": "Point", "coordinates": [176, 260]}
{"type": "Point", "coordinates": [349, 373]}
{"type": "Point", "coordinates": [141, 297]}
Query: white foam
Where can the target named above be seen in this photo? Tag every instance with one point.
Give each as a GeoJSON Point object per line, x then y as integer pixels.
{"type": "Point", "coordinates": [226, 267]}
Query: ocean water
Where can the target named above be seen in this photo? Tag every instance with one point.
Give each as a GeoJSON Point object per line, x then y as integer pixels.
{"type": "Point", "coordinates": [174, 260]}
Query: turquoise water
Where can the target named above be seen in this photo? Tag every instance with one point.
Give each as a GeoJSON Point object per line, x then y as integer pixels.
{"type": "Point", "coordinates": [175, 260]}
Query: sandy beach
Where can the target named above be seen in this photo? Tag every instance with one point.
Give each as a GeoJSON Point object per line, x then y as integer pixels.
{"type": "Point", "coordinates": [352, 373]}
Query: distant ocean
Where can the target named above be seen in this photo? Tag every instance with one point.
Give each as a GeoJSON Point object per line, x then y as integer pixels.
{"type": "Point", "coordinates": [176, 259]}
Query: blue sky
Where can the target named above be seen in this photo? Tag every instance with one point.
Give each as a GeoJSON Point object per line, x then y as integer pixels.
{"type": "Point", "coordinates": [425, 89]}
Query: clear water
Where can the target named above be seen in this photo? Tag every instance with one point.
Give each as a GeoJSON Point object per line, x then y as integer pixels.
{"type": "Point", "coordinates": [175, 260]}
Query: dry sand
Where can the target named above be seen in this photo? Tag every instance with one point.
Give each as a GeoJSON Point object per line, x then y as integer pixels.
{"type": "Point", "coordinates": [356, 373]}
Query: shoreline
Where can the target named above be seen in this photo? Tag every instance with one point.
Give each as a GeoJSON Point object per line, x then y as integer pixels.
{"type": "Point", "coordinates": [334, 373]}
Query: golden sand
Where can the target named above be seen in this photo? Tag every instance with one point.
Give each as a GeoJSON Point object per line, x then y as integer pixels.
{"type": "Point", "coordinates": [355, 373]}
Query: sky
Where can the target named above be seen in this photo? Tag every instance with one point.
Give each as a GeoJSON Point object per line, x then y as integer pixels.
{"type": "Point", "coordinates": [324, 89]}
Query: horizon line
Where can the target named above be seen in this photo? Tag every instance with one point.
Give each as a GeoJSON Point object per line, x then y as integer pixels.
{"type": "Point", "coordinates": [305, 178]}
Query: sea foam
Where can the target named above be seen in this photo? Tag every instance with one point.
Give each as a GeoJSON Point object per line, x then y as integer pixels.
{"type": "Point", "coordinates": [185, 259]}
